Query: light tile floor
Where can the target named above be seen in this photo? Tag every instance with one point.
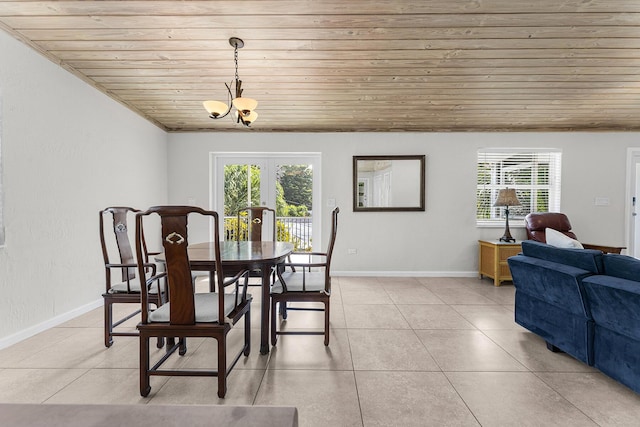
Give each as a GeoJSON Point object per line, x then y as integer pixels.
{"type": "Point", "coordinates": [403, 352]}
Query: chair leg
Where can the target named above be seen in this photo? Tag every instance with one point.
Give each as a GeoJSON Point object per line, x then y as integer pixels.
{"type": "Point", "coordinates": [274, 335]}
{"type": "Point", "coordinates": [183, 346]}
{"type": "Point", "coordinates": [247, 333]}
{"type": "Point", "coordinates": [108, 322]}
{"type": "Point", "coordinates": [222, 366]}
{"type": "Point", "coordinates": [158, 303]}
{"type": "Point", "coordinates": [283, 309]}
{"type": "Point", "coordinates": [169, 343]}
{"type": "Point", "coordinates": [145, 386]}
{"type": "Point", "coordinates": [326, 323]}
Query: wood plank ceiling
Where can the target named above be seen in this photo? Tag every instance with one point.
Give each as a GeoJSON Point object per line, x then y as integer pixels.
{"type": "Point", "coordinates": [335, 65]}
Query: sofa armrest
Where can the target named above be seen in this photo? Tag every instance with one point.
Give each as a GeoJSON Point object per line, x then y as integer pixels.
{"type": "Point", "coordinates": [557, 284]}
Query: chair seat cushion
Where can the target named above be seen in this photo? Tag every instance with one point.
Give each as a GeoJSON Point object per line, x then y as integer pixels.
{"type": "Point", "coordinates": [134, 285]}
{"type": "Point", "coordinates": [206, 305]}
{"type": "Point", "coordinates": [313, 281]}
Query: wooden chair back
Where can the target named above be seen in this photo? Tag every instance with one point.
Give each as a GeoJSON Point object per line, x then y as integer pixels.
{"type": "Point", "coordinates": [332, 241]}
{"type": "Point", "coordinates": [174, 224]}
{"type": "Point", "coordinates": [119, 215]}
{"type": "Point", "coordinates": [255, 220]}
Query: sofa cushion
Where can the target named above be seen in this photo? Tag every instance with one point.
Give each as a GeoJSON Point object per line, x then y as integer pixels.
{"type": "Point", "coordinates": [614, 303]}
{"type": "Point", "coordinates": [560, 240]}
{"type": "Point", "coordinates": [622, 266]}
{"type": "Point", "coordinates": [586, 259]}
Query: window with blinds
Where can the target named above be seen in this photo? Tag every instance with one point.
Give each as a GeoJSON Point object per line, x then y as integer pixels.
{"type": "Point", "coordinates": [533, 173]}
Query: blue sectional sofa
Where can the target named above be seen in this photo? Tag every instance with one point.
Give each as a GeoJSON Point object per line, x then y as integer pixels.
{"type": "Point", "coordinates": [582, 302]}
{"type": "Point", "coordinates": [614, 304]}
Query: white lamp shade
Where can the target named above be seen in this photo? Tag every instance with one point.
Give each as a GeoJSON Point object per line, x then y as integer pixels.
{"type": "Point", "coordinates": [245, 104]}
{"type": "Point", "coordinates": [251, 117]}
{"type": "Point", "coordinates": [215, 108]}
{"type": "Point", "coordinates": [246, 118]}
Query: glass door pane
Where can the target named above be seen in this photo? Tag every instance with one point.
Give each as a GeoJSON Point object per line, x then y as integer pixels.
{"type": "Point", "coordinates": [241, 187]}
{"type": "Point", "coordinates": [242, 184]}
{"type": "Point", "coordinates": [294, 204]}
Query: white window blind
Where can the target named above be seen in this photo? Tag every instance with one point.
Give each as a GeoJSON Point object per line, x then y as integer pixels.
{"type": "Point", "coordinates": [534, 174]}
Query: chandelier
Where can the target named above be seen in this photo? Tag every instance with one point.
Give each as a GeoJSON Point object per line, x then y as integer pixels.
{"type": "Point", "coordinates": [244, 107]}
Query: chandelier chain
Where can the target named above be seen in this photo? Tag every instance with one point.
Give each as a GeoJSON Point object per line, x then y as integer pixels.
{"type": "Point", "coordinates": [235, 58]}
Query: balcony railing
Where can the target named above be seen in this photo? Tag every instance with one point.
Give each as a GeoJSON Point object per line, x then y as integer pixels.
{"type": "Point", "coordinates": [293, 229]}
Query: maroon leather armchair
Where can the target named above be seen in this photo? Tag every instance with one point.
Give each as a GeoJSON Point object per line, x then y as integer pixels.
{"type": "Point", "coordinates": [537, 222]}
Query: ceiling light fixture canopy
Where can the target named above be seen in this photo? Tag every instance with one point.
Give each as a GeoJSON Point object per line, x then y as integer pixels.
{"type": "Point", "coordinates": [245, 107]}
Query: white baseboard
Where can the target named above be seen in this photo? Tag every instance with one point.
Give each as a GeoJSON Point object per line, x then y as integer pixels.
{"type": "Point", "coordinates": [370, 273]}
{"type": "Point", "coordinates": [50, 323]}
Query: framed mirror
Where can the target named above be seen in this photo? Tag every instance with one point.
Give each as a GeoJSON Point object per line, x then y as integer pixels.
{"type": "Point", "coordinates": [388, 183]}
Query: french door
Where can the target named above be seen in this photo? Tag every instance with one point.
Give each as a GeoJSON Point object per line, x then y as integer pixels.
{"type": "Point", "coordinates": [632, 213]}
{"type": "Point", "coordinates": [285, 182]}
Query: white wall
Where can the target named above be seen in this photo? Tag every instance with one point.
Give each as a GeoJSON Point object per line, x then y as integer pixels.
{"type": "Point", "coordinates": [67, 151]}
{"type": "Point", "coordinates": [443, 239]}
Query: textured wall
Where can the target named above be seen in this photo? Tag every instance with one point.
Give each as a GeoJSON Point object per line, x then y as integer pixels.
{"type": "Point", "coordinates": [442, 240]}
{"type": "Point", "coordinates": [68, 151]}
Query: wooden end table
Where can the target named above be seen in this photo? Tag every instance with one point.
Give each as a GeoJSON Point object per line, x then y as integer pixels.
{"type": "Point", "coordinates": [492, 261]}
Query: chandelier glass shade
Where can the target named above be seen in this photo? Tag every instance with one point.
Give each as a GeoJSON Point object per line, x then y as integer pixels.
{"type": "Point", "coordinates": [245, 107]}
{"type": "Point", "coordinates": [215, 108]}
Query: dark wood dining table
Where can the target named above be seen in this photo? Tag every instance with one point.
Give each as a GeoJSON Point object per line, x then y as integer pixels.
{"type": "Point", "coordinates": [250, 255]}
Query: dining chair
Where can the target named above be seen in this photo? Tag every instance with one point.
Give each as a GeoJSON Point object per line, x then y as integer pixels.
{"type": "Point", "coordinates": [256, 224]}
{"type": "Point", "coordinates": [187, 313]}
{"type": "Point", "coordinates": [310, 282]}
{"type": "Point", "coordinates": [125, 289]}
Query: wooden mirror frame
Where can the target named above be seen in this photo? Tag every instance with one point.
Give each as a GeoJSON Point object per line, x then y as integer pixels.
{"type": "Point", "coordinates": [420, 186]}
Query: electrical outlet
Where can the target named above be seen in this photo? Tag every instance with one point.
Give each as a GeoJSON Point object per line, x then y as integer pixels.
{"type": "Point", "coordinates": [352, 251]}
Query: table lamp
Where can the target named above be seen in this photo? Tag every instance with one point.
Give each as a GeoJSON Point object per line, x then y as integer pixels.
{"type": "Point", "coordinates": [507, 197]}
